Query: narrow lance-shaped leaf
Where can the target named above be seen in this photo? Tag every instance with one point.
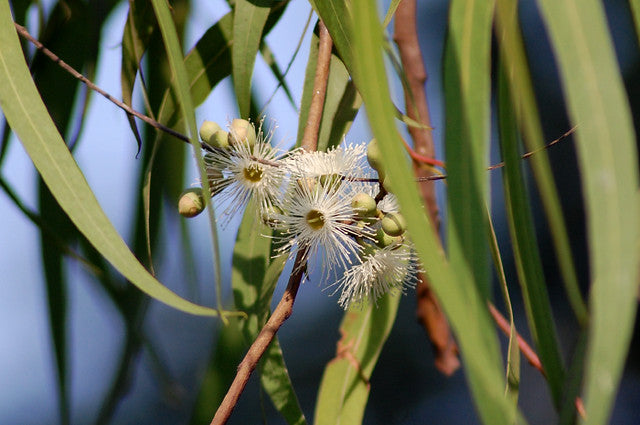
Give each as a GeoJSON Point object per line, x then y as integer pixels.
{"type": "Point", "coordinates": [606, 146]}
{"type": "Point", "coordinates": [525, 246]}
{"type": "Point", "coordinates": [249, 20]}
{"type": "Point", "coordinates": [254, 277]}
{"type": "Point", "coordinates": [182, 91]}
{"type": "Point", "coordinates": [29, 119]}
{"type": "Point", "coordinates": [345, 387]}
{"type": "Point", "coordinates": [454, 287]}
{"type": "Point", "coordinates": [467, 85]}
{"type": "Point", "coordinates": [523, 98]}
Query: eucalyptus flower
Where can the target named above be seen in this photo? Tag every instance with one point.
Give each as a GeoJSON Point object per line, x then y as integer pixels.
{"type": "Point", "coordinates": [319, 219]}
{"type": "Point", "coordinates": [244, 171]}
{"type": "Point", "coordinates": [388, 270]}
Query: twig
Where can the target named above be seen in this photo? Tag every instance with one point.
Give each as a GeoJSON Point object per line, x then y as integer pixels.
{"type": "Point", "coordinates": [22, 31]}
{"type": "Point", "coordinates": [525, 348]}
{"type": "Point", "coordinates": [285, 306]}
{"type": "Point", "coordinates": [262, 341]}
{"type": "Point", "coordinates": [527, 351]}
{"type": "Point", "coordinates": [310, 136]}
{"type": "Point", "coordinates": [428, 310]}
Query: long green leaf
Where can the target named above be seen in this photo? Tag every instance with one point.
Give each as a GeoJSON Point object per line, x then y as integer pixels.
{"type": "Point", "coordinates": [526, 110]}
{"type": "Point", "coordinates": [57, 90]}
{"type": "Point", "coordinates": [467, 85]}
{"type": "Point", "coordinates": [209, 62]}
{"type": "Point", "coordinates": [336, 16]}
{"type": "Point", "coordinates": [249, 19]}
{"type": "Point", "coordinates": [525, 246]}
{"type": "Point", "coordinates": [182, 91]}
{"type": "Point", "coordinates": [606, 147]}
{"type": "Point", "coordinates": [454, 286]}
{"type": "Point", "coordinates": [29, 119]}
{"type": "Point", "coordinates": [345, 387]}
{"type": "Point", "coordinates": [254, 277]}
{"type": "Point", "coordinates": [229, 348]}
{"type": "Point", "coordinates": [513, 350]}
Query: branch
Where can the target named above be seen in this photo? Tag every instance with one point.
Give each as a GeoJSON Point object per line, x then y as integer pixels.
{"type": "Point", "coordinates": [262, 341]}
{"type": "Point", "coordinates": [429, 312]}
{"type": "Point", "coordinates": [285, 306]}
{"type": "Point", "coordinates": [312, 127]}
{"type": "Point", "coordinates": [22, 31]}
{"type": "Point", "coordinates": [527, 351]}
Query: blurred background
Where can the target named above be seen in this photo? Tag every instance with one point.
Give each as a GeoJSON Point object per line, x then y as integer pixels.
{"type": "Point", "coordinates": [163, 380]}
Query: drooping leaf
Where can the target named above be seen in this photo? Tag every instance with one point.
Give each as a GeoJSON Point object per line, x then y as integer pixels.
{"type": "Point", "coordinates": [526, 110]}
{"type": "Point", "coordinates": [513, 350]}
{"type": "Point", "coordinates": [525, 246]}
{"type": "Point", "coordinates": [336, 15]}
{"type": "Point", "coordinates": [249, 19]}
{"type": "Point", "coordinates": [254, 277]}
{"type": "Point", "coordinates": [345, 387]}
{"type": "Point", "coordinates": [467, 85]}
{"type": "Point", "coordinates": [454, 285]}
{"type": "Point", "coordinates": [607, 155]}
{"type": "Point", "coordinates": [29, 119]}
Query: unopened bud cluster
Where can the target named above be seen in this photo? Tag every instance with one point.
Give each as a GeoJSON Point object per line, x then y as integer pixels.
{"type": "Point", "coordinates": [324, 203]}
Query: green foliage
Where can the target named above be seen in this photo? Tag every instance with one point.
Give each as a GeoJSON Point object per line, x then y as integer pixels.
{"type": "Point", "coordinates": [37, 100]}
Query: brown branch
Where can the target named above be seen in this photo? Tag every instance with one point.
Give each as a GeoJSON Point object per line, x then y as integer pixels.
{"type": "Point", "coordinates": [429, 312]}
{"type": "Point", "coordinates": [525, 348]}
{"type": "Point", "coordinates": [22, 31]}
{"type": "Point", "coordinates": [285, 306]}
{"type": "Point", "coordinates": [262, 341]}
{"type": "Point", "coordinates": [527, 351]}
{"type": "Point", "coordinates": [312, 127]}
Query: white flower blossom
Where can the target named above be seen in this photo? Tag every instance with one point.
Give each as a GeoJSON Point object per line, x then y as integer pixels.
{"type": "Point", "coordinates": [388, 270]}
{"type": "Point", "coordinates": [318, 218]}
{"type": "Point", "coordinates": [349, 161]}
{"type": "Point", "coordinates": [241, 172]}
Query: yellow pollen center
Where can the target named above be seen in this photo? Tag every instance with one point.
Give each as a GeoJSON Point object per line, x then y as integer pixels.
{"type": "Point", "coordinates": [253, 173]}
{"type": "Point", "coordinates": [315, 219]}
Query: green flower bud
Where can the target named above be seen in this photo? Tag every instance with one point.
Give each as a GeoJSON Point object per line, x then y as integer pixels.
{"type": "Point", "coordinates": [383, 239]}
{"type": "Point", "coordinates": [364, 205]}
{"type": "Point", "coordinates": [207, 129]}
{"type": "Point", "coordinates": [374, 156]}
{"type": "Point", "coordinates": [393, 224]}
{"type": "Point", "coordinates": [191, 202]}
{"type": "Point", "coordinates": [219, 139]}
{"type": "Point", "coordinates": [242, 131]}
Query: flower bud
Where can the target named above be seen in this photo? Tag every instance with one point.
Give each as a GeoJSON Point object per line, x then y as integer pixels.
{"type": "Point", "coordinates": [374, 157]}
{"type": "Point", "coordinates": [364, 205]}
{"type": "Point", "coordinates": [242, 131]}
{"type": "Point", "coordinates": [207, 129]}
{"type": "Point", "coordinates": [191, 202]}
{"type": "Point", "coordinates": [393, 224]}
{"type": "Point", "coordinates": [219, 139]}
{"type": "Point", "coordinates": [383, 239]}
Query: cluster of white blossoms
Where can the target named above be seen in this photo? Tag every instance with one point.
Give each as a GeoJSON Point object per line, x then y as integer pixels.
{"type": "Point", "coordinates": [326, 205]}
